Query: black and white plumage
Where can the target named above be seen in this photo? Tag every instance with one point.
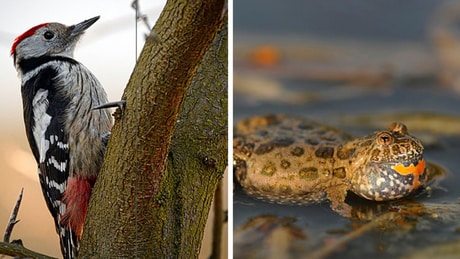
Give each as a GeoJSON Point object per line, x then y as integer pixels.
{"type": "Point", "coordinates": [66, 135]}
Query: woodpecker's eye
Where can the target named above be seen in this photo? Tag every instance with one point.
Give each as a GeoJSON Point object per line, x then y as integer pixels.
{"type": "Point", "coordinates": [48, 35]}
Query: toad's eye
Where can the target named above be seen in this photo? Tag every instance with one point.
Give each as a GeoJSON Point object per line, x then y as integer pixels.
{"type": "Point", "coordinates": [48, 35]}
{"type": "Point", "coordinates": [384, 138]}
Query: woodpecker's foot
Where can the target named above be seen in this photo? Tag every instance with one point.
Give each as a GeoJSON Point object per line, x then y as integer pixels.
{"type": "Point", "coordinates": [118, 112]}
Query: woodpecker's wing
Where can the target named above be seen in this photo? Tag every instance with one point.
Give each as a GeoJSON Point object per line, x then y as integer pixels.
{"type": "Point", "coordinates": [45, 132]}
{"type": "Point", "coordinates": [44, 109]}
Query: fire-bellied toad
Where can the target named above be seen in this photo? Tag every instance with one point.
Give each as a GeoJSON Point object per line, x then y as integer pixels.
{"type": "Point", "coordinates": [294, 160]}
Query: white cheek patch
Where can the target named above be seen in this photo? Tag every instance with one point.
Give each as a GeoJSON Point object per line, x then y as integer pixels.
{"type": "Point", "coordinates": [41, 122]}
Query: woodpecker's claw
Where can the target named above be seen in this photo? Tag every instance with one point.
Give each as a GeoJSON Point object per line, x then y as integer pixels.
{"type": "Point", "coordinates": [118, 112]}
{"type": "Point", "coordinates": [119, 104]}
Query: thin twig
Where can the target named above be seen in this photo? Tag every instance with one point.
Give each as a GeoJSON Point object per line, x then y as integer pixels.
{"type": "Point", "coordinates": [14, 249]}
{"type": "Point", "coordinates": [13, 221]}
{"type": "Point", "coordinates": [142, 18]}
{"type": "Point", "coordinates": [218, 223]}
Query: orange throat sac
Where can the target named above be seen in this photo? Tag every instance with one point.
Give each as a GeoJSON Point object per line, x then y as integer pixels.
{"type": "Point", "coordinates": [415, 170]}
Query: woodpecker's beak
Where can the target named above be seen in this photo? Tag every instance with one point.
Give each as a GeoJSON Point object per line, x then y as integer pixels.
{"type": "Point", "coordinates": [81, 27]}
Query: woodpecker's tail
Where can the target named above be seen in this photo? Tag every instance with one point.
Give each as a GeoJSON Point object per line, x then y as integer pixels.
{"type": "Point", "coordinates": [69, 242]}
{"type": "Point", "coordinates": [76, 198]}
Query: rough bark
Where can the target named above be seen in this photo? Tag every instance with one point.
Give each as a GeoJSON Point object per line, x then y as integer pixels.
{"type": "Point", "coordinates": [154, 191]}
{"type": "Point", "coordinates": [198, 154]}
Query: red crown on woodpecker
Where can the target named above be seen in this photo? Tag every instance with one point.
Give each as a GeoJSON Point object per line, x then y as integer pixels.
{"type": "Point", "coordinates": [26, 34]}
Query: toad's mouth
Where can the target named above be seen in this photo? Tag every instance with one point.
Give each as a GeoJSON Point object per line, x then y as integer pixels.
{"type": "Point", "coordinates": [411, 166]}
{"type": "Point", "coordinates": [414, 166]}
{"type": "Point", "coordinates": [404, 166]}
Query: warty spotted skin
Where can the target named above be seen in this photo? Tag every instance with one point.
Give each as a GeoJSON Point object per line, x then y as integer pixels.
{"type": "Point", "coordinates": [66, 135]}
{"type": "Point", "coordinates": [293, 160]}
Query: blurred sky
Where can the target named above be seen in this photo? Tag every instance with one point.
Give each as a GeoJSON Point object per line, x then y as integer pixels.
{"type": "Point", "coordinates": [107, 49]}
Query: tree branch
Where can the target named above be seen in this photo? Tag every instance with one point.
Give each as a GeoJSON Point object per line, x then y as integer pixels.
{"type": "Point", "coordinates": [18, 250]}
{"type": "Point", "coordinates": [198, 155]}
{"type": "Point", "coordinates": [138, 208]}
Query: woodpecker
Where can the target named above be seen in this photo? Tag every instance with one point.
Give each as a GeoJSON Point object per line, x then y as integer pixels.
{"type": "Point", "coordinates": [67, 136]}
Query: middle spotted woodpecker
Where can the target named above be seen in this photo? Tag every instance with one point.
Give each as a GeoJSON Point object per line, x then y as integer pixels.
{"type": "Point", "coordinates": [67, 136]}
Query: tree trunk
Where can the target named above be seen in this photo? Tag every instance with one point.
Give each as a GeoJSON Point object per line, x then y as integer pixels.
{"type": "Point", "coordinates": [161, 167]}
